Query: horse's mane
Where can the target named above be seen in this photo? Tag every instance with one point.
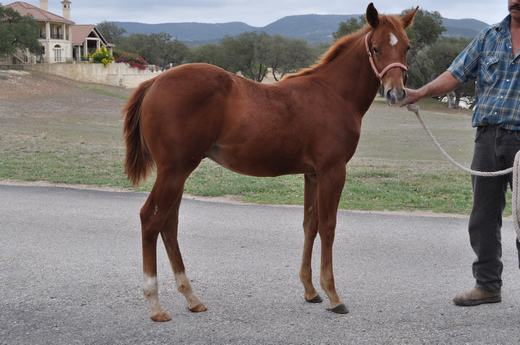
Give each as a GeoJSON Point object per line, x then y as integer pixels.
{"type": "Point", "coordinates": [341, 45]}
{"type": "Point", "coordinates": [332, 53]}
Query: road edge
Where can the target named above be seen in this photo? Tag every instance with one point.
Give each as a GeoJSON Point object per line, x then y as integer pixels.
{"type": "Point", "coordinates": [221, 199]}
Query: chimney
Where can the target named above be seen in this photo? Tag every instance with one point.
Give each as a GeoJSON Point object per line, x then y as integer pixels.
{"type": "Point", "coordinates": [66, 9]}
{"type": "Point", "coordinates": [44, 5]}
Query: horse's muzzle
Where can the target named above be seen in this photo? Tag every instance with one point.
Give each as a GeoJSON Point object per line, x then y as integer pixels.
{"type": "Point", "coordinates": [394, 95]}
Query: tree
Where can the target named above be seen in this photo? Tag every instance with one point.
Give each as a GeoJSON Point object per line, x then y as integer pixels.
{"type": "Point", "coordinates": [254, 54]}
{"type": "Point", "coordinates": [157, 49]}
{"type": "Point", "coordinates": [348, 27]}
{"type": "Point", "coordinates": [247, 53]}
{"type": "Point", "coordinates": [442, 53]}
{"type": "Point", "coordinates": [434, 59]}
{"type": "Point", "coordinates": [111, 31]}
{"type": "Point", "coordinates": [210, 53]}
{"type": "Point", "coordinates": [426, 29]}
{"type": "Point", "coordinates": [137, 44]}
{"type": "Point", "coordinates": [176, 53]}
{"type": "Point", "coordinates": [17, 32]}
{"type": "Point", "coordinates": [287, 55]}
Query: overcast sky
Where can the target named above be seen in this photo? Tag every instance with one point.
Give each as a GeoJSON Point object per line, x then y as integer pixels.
{"type": "Point", "coordinates": [261, 12]}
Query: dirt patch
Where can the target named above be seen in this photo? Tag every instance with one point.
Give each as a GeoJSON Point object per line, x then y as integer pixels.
{"type": "Point", "coordinates": [23, 84]}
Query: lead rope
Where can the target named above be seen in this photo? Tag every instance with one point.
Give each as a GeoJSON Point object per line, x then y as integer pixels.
{"type": "Point", "coordinates": [515, 169]}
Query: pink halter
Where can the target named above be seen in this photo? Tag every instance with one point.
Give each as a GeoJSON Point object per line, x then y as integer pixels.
{"type": "Point", "coordinates": [381, 74]}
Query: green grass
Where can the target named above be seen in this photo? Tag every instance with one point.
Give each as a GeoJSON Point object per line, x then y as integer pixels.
{"type": "Point", "coordinates": [395, 167]}
{"type": "Point", "coordinates": [105, 91]}
{"type": "Point", "coordinates": [367, 188]}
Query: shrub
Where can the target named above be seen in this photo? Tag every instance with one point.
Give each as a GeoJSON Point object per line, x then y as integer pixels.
{"type": "Point", "coordinates": [133, 60]}
{"type": "Point", "coordinates": [102, 56]}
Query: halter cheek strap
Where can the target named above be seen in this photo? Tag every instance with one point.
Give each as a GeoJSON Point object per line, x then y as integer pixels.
{"type": "Point", "coordinates": [381, 74]}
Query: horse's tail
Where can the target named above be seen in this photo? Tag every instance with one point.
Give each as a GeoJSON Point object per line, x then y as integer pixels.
{"type": "Point", "coordinates": [138, 160]}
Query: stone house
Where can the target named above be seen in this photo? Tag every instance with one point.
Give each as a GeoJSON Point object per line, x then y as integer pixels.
{"type": "Point", "coordinates": [61, 39]}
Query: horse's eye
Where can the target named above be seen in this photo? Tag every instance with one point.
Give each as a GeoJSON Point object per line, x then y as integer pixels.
{"type": "Point", "coordinates": [408, 48]}
{"type": "Point", "coordinates": [376, 50]}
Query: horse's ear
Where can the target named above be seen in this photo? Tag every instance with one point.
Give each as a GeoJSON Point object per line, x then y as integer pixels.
{"type": "Point", "coordinates": [407, 19]}
{"type": "Point", "coordinates": [372, 16]}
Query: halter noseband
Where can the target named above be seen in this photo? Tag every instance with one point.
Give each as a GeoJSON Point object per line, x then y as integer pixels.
{"type": "Point", "coordinates": [381, 74]}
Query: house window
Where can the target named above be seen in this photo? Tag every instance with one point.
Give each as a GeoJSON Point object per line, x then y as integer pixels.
{"type": "Point", "coordinates": [58, 53]}
{"type": "Point", "coordinates": [56, 32]}
{"type": "Point", "coordinates": [43, 32]}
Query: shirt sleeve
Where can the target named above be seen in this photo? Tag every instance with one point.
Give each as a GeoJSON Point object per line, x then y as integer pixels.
{"type": "Point", "coordinates": [465, 66]}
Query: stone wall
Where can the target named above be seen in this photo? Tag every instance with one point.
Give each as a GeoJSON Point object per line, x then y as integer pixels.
{"type": "Point", "coordinates": [115, 74]}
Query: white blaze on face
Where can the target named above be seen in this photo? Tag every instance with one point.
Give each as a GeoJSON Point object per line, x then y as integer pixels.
{"type": "Point", "coordinates": [393, 39]}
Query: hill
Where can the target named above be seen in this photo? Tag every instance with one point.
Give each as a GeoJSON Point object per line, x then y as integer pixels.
{"type": "Point", "coordinates": [311, 27]}
{"type": "Point", "coordinates": [463, 27]}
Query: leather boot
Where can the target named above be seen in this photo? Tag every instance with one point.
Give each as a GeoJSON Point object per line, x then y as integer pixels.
{"type": "Point", "coordinates": [477, 296]}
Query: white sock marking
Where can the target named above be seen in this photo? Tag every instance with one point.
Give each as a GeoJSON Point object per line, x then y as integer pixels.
{"type": "Point", "coordinates": [150, 284]}
{"type": "Point", "coordinates": [151, 290]}
{"type": "Point", "coordinates": [184, 287]}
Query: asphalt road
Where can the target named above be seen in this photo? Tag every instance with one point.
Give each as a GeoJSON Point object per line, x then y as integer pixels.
{"type": "Point", "coordinates": [71, 274]}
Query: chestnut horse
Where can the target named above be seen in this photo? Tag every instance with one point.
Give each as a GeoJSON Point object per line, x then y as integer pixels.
{"type": "Point", "coordinates": [309, 123]}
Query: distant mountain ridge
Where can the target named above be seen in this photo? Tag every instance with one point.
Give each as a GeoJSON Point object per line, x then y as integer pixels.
{"type": "Point", "coordinates": [314, 28]}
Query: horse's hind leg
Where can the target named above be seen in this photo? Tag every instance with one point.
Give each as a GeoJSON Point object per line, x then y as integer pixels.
{"type": "Point", "coordinates": [174, 186]}
{"type": "Point", "coordinates": [150, 232]}
{"type": "Point", "coordinates": [160, 215]}
{"type": "Point", "coordinates": [310, 228]}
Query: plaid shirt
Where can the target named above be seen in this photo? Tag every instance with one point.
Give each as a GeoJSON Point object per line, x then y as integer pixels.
{"type": "Point", "coordinates": [489, 59]}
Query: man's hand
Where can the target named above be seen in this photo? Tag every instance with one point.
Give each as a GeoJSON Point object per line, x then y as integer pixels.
{"type": "Point", "coordinates": [443, 84]}
{"type": "Point", "coordinates": [412, 96]}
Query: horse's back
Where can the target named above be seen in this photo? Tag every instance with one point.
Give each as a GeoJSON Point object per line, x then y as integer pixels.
{"type": "Point", "coordinates": [190, 82]}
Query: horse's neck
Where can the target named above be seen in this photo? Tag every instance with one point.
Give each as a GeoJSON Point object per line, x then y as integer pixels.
{"type": "Point", "coordinates": [351, 75]}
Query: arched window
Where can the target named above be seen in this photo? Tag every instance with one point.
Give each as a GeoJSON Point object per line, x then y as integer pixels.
{"type": "Point", "coordinates": [58, 53]}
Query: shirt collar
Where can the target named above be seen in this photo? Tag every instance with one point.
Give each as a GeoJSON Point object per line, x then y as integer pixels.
{"type": "Point", "coordinates": [503, 27]}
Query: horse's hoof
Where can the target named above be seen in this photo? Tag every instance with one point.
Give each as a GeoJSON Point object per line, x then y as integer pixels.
{"type": "Point", "coordinates": [198, 308]}
{"type": "Point", "coordinates": [315, 299]}
{"type": "Point", "coordinates": [339, 309]}
{"type": "Point", "coordinates": [161, 316]}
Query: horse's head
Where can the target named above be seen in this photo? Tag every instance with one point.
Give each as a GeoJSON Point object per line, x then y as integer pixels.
{"type": "Point", "coordinates": [387, 45]}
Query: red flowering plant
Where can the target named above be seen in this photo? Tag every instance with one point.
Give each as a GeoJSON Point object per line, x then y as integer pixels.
{"type": "Point", "coordinates": [134, 60]}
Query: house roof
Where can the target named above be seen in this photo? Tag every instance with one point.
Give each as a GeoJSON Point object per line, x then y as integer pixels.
{"type": "Point", "coordinates": [80, 32]}
{"type": "Point", "coordinates": [37, 13]}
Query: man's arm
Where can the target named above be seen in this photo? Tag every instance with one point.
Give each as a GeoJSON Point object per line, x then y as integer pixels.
{"type": "Point", "coordinates": [465, 67]}
{"type": "Point", "coordinates": [441, 85]}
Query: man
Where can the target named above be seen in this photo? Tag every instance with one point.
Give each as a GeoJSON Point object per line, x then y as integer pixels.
{"type": "Point", "coordinates": [492, 58]}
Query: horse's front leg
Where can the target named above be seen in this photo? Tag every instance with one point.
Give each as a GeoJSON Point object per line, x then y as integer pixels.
{"type": "Point", "coordinates": [330, 186]}
{"type": "Point", "coordinates": [310, 229]}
